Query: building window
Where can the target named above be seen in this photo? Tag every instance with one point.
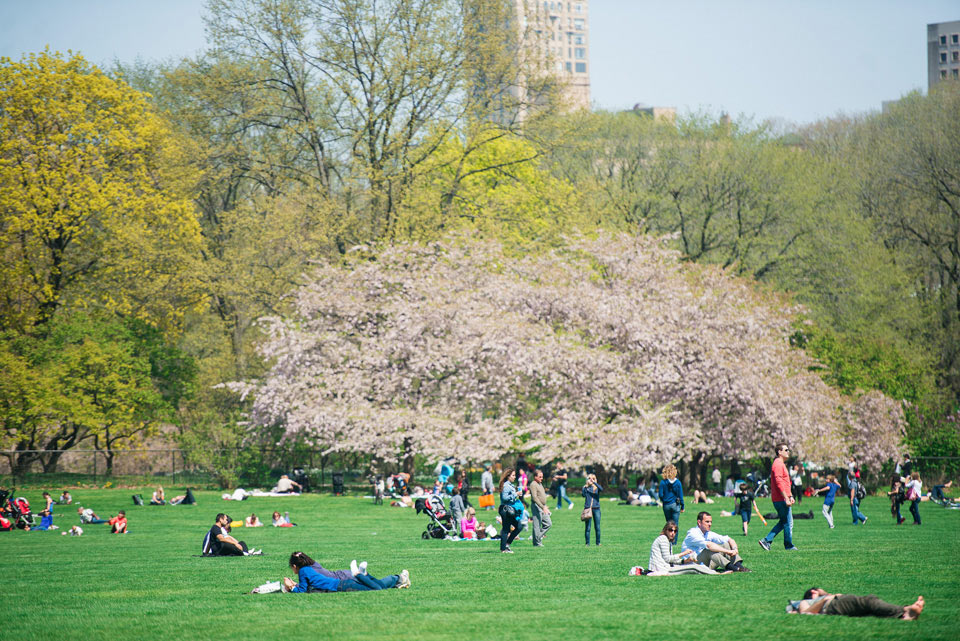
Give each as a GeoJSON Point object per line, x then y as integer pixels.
{"type": "Point", "coordinates": [569, 67]}
{"type": "Point", "coordinates": [956, 56]}
{"type": "Point", "coordinates": [943, 57]}
{"type": "Point", "coordinates": [578, 40]}
{"type": "Point", "coordinates": [943, 41]}
{"type": "Point", "coordinates": [581, 67]}
{"type": "Point", "coordinates": [578, 24]}
{"type": "Point", "coordinates": [580, 53]}
{"type": "Point", "coordinates": [953, 72]}
{"type": "Point", "coordinates": [955, 38]}
{"type": "Point", "coordinates": [578, 8]}
{"type": "Point", "coordinates": [943, 74]}
{"type": "Point", "coordinates": [569, 52]}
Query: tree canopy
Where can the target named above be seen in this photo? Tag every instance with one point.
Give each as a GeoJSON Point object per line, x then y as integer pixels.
{"type": "Point", "coordinates": [611, 350]}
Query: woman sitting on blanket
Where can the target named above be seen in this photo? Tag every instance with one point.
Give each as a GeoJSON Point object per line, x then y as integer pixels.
{"type": "Point", "coordinates": [663, 562]}
{"type": "Point", "coordinates": [313, 581]}
{"type": "Point", "coordinates": [469, 524]}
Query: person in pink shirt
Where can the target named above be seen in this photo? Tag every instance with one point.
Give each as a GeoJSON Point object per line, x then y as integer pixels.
{"type": "Point", "coordinates": [782, 500]}
{"type": "Point", "coordinates": [469, 524]}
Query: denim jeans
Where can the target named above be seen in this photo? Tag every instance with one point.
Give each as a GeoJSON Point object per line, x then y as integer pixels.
{"type": "Point", "coordinates": [671, 512]}
{"type": "Point", "coordinates": [915, 511]}
{"type": "Point", "coordinates": [785, 524]}
{"type": "Point", "coordinates": [562, 496]}
{"type": "Point", "coordinates": [858, 516]}
{"type": "Point", "coordinates": [596, 525]}
{"type": "Point", "coordinates": [367, 582]}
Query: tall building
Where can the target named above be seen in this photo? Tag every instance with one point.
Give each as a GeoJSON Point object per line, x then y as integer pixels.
{"type": "Point", "coordinates": [943, 52]}
{"type": "Point", "coordinates": [559, 32]}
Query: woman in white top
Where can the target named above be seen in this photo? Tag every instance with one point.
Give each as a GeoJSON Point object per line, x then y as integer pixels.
{"type": "Point", "coordinates": [914, 487]}
{"type": "Point", "coordinates": [664, 562]}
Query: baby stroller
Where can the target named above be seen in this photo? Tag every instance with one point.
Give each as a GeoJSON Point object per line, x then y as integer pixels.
{"type": "Point", "coordinates": [440, 524]}
{"type": "Point", "coordinates": [17, 510]}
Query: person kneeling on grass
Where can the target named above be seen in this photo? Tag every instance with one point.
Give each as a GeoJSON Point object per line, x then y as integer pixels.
{"type": "Point", "coordinates": [312, 581]}
{"type": "Point", "coordinates": [818, 601]}
{"type": "Point", "coordinates": [118, 524]}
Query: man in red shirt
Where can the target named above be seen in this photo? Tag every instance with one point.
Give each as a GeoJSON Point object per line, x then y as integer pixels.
{"type": "Point", "coordinates": [782, 500]}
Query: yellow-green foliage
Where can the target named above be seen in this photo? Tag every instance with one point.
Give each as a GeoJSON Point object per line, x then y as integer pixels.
{"type": "Point", "coordinates": [490, 182]}
{"type": "Point", "coordinates": [94, 197]}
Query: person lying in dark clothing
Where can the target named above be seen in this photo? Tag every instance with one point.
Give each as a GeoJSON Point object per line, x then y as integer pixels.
{"type": "Point", "coordinates": [819, 601]}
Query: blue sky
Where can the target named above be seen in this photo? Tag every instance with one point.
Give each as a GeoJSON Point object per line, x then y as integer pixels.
{"type": "Point", "coordinates": [792, 60]}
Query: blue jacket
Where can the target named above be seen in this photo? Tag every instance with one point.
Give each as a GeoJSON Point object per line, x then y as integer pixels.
{"type": "Point", "coordinates": [313, 581]}
{"type": "Point", "coordinates": [509, 496]}
{"type": "Point", "coordinates": [670, 492]}
{"type": "Point", "coordinates": [592, 496]}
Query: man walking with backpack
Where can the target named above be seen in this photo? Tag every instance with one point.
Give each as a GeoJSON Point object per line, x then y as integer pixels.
{"type": "Point", "coordinates": [782, 500]}
{"type": "Point", "coordinates": [857, 493]}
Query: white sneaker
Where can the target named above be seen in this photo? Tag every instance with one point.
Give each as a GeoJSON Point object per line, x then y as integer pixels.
{"type": "Point", "coordinates": [404, 580]}
{"type": "Point", "coordinates": [363, 567]}
{"type": "Point", "coordinates": [570, 507]}
{"type": "Point", "coordinates": [354, 570]}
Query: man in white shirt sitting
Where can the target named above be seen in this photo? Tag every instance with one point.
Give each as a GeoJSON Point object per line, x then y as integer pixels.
{"type": "Point", "coordinates": [714, 550]}
{"type": "Point", "coordinates": [286, 485]}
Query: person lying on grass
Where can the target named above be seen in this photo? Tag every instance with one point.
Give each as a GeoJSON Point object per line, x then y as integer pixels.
{"type": "Point", "coordinates": [819, 601]}
{"type": "Point", "coordinates": [88, 516]}
{"type": "Point", "coordinates": [312, 581]}
{"type": "Point", "coordinates": [282, 521]}
{"type": "Point", "coordinates": [252, 521]}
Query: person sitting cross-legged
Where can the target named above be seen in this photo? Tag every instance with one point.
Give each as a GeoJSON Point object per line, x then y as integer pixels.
{"type": "Point", "coordinates": [819, 601]}
{"type": "Point", "coordinates": [714, 550]}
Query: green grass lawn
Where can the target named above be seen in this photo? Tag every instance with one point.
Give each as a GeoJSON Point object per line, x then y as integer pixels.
{"type": "Point", "coordinates": [147, 585]}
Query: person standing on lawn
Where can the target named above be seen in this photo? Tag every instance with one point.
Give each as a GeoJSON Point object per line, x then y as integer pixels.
{"type": "Point", "coordinates": [782, 500]}
{"type": "Point", "coordinates": [486, 483]}
{"type": "Point", "coordinates": [856, 489]}
{"type": "Point", "coordinates": [591, 494]}
{"type": "Point", "coordinates": [511, 510]}
{"type": "Point", "coordinates": [914, 490]}
{"type": "Point", "coordinates": [831, 489]}
{"type": "Point", "coordinates": [670, 494]}
{"type": "Point", "coordinates": [539, 512]}
{"type": "Point", "coordinates": [716, 477]}
{"type": "Point", "coordinates": [561, 477]}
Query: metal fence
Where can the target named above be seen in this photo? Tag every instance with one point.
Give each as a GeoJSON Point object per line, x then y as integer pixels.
{"type": "Point", "coordinates": [172, 466]}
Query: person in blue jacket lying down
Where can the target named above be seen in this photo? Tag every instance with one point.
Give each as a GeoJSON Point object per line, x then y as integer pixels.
{"type": "Point", "coordinates": [313, 581]}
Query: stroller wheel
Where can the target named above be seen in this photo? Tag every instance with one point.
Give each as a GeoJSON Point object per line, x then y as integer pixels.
{"type": "Point", "coordinates": [425, 535]}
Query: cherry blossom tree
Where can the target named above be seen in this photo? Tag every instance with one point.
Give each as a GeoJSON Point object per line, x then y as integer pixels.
{"type": "Point", "coordinates": [610, 350]}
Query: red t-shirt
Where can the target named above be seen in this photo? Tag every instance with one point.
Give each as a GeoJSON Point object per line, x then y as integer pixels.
{"type": "Point", "coordinates": [779, 481]}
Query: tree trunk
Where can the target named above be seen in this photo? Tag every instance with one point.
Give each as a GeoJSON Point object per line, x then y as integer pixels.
{"type": "Point", "coordinates": [408, 457]}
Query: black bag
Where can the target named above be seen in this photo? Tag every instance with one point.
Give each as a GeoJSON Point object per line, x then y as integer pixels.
{"type": "Point", "coordinates": [137, 499]}
{"type": "Point", "coordinates": [507, 511]}
{"type": "Point", "coordinates": [861, 492]}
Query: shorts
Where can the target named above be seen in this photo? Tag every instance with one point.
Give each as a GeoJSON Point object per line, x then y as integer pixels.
{"type": "Point", "coordinates": [745, 515]}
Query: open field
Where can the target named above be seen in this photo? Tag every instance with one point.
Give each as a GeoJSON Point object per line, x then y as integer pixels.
{"type": "Point", "coordinates": [147, 585]}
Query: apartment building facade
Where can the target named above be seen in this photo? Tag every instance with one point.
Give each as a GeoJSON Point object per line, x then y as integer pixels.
{"type": "Point", "coordinates": [559, 32]}
{"type": "Point", "coordinates": [943, 52]}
